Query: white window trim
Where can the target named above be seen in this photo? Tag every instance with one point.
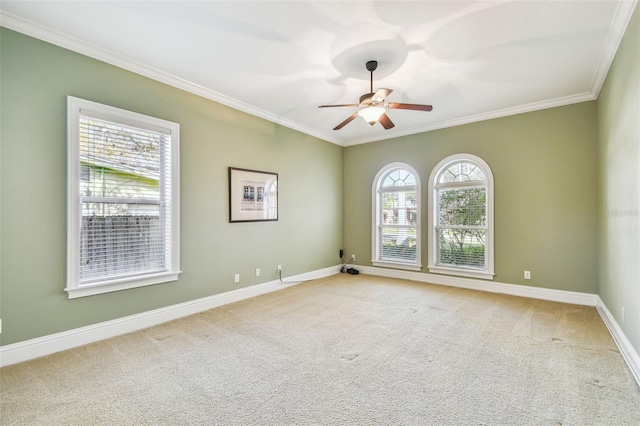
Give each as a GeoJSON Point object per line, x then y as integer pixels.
{"type": "Point", "coordinates": [487, 273]}
{"type": "Point", "coordinates": [376, 218]}
{"type": "Point", "coordinates": [397, 265]}
{"type": "Point", "coordinates": [74, 213]}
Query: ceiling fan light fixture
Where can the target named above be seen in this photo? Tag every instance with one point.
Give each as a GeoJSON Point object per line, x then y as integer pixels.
{"type": "Point", "coordinates": [371, 114]}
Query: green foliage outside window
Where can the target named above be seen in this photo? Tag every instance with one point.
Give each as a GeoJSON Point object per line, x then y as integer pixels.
{"type": "Point", "coordinates": [461, 226]}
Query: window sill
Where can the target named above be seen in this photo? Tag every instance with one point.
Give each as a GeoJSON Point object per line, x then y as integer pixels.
{"type": "Point", "coordinates": [397, 265]}
{"type": "Point", "coordinates": [121, 284]}
{"type": "Point", "coordinates": [460, 272]}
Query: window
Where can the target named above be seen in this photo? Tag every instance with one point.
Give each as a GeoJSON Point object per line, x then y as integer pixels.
{"type": "Point", "coordinates": [123, 199]}
{"type": "Point", "coordinates": [461, 217]}
{"type": "Point", "coordinates": [396, 217]}
{"type": "Point", "coordinates": [248, 193]}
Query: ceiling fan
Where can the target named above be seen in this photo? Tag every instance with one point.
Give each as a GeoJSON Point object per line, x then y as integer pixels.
{"type": "Point", "coordinates": [374, 105]}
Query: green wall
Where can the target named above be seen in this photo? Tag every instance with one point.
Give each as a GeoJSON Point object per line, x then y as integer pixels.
{"type": "Point", "coordinates": [35, 78]}
{"type": "Point", "coordinates": [559, 174]}
{"type": "Point", "coordinates": [619, 204]}
{"type": "Point", "coordinates": [544, 166]}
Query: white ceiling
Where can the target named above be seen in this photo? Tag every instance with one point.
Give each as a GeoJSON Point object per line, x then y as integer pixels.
{"type": "Point", "coordinates": [279, 60]}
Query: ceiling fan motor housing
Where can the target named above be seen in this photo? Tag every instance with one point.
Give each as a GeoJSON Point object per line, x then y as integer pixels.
{"type": "Point", "coordinates": [365, 99]}
{"type": "Point", "coordinates": [372, 65]}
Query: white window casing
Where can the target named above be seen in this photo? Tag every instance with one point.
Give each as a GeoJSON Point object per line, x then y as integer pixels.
{"type": "Point", "coordinates": [461, 218]}
{"type": "Point", "coordinates": [123, 199]}
{"type": "Point", "coordinates": [396, 218]}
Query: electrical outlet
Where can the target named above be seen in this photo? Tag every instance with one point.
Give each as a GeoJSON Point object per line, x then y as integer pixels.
{"type": "Point", "coordinates": [353, 257]}
{"type": "Point", "coordinates": [0, 326]}
{"type": "Point", "coordinates": [527, 275]}
{"type": "Point", "coordinates": [236, 278]}
{"type": "Point", "coordinates": [622, 315]}
{"type": "Point", "coordinates": [257, 272]}
{"type": "Point", "coordinates": [279, 267]}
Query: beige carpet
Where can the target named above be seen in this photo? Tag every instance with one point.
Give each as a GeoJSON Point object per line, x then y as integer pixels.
{"type": "Point", "coordinates": [341, 351]}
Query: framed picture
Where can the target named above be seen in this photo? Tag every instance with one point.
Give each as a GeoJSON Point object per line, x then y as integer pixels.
{"type": "Point", "coordinates": [253, 195]}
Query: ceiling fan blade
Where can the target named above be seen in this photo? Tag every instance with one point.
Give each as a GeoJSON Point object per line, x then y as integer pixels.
{"type": "Point", "coordinates": [386, 121]}
{"type": "Point", "coordinates": [342, 105]}
{"type": "Point", "coordinates": [381, 94]}
{"type": "Point", "coordinates": [347, 121]}
{"type": "Point", "coordinates": [414, 107]}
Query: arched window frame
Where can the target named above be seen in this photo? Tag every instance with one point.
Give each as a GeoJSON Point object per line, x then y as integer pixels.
{"type": "Point", "coordinates": [377, 190]}
{"type": "Point", "coordinates": [465, 271]}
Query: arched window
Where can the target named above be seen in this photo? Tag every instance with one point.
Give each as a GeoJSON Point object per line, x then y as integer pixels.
{"type": "Point", "coordinates": [396, 217]}
{"type": "Point", "coordinates": [461, 217]}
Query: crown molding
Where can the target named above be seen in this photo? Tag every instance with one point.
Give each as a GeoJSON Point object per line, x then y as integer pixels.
{"type": "Point", "coordinates": [621, 20]}
{"type": "Point", "coordinates": [34, 30]}
{"type": "Point", "coordinates": [531, 107]}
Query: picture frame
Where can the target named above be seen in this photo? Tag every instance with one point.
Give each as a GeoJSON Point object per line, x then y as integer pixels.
{"type": "Point", "coordinates": [253, 195]}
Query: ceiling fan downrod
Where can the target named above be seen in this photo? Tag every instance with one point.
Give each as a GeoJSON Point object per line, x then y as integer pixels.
{"type": "Point", "coordinates": [371, 67]}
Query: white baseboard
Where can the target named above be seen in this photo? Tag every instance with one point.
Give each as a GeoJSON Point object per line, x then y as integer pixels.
{"type": "Point", "coordinates": [563, 296]}
{"type": "Point", "coordinates": [626, 349]}
{"type": "Point", "coordinates": [46, 345]}
{"type": "Point", "coordinates": [629, 354]}
{"type": "Point", "coordinates": [41, 346]}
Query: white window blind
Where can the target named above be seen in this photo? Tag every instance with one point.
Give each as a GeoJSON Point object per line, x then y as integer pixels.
{"type": "Point", "coordinates": [396, 218]}
{"type": "Point", "coordinates": [462, 226]}
{"type": "Point", "coordinates": [124, 230]}
{"type": "Point", "coordinates": [125, 206]}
